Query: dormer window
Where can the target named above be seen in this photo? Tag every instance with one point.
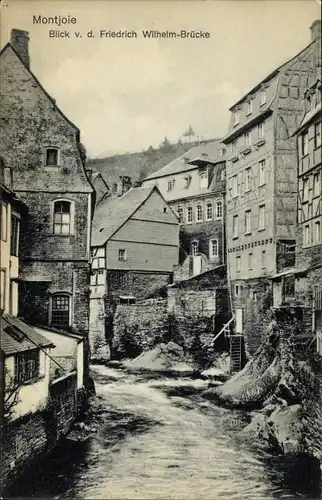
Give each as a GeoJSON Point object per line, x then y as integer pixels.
{"type": "Point", "coordinates": [187, 181]}
{"type": "Point", "coordinates": [248, 139]}
{"type": "Point", "coordinates": [236, 118]}
{"type": "Point", "coordinates": [52, 157]}
{"type": "Point", "coordinates": [249, 108]}
{"type": "Point", "coordinates": [171, 185]}
{"type": "Point", "coordinates": [263, 97]}
{"type": "Point", "coordinates": [203, 180]}
{"type": "Point", "coordinates": [221, 152]}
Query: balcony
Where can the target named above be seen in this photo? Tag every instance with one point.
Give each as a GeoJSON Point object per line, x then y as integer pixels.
{"type": "Point", "coordinates": [245, 150]}
{"type": "Point", "coordinates": [233, 158]}
{"type": "Point", "coordinates": [259, 142]}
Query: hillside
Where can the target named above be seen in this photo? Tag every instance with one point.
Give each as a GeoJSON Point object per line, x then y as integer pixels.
{"type": "Point", "coordinates": [137, 165]}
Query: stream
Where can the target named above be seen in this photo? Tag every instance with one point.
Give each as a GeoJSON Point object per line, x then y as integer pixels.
{"type": "Point", "coordinates": [160, 439]}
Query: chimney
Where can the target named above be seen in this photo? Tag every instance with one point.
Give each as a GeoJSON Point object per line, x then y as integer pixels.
{"type": "Point", "coordinates": [89, 173]}
{"type": "Point", "coordinates": [20, 40]}
{"type": "Point", "coordinates": [315, 30]}
{"type": "Point", "coordinates": [125, 183]}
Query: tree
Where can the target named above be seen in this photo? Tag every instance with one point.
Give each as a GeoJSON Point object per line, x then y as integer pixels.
{"type": "Point", "coordinates": [189, 133]}
{"type": "Point", "coordinates": [82, 152]}
{"type": "Point", "coordinates": [166, 144]}
{"type": "Point", "coordinates": [11, 394]}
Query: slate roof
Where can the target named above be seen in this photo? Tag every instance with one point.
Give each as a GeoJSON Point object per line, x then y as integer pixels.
{"type": "Point", "coordinates": [177, 165]}
{"type": "Point", "coordinates": [30, 338]}
{"type": "Point", "coordinates": [112, 213]}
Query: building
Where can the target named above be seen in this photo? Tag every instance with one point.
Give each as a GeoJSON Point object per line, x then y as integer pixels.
{"type": "Point", "coordinates": [12, 210]}
{"type": "Point", "coordinates": [101, 188]}
{"type": "Point", "coordinates": [301, 286]}
{"type": "Point", "coordinates": [135, 246]}
{"type": "Point", "coordinates": [194, 186]}
{"type": "Point", "coordinates": [41, 151]}
{"type": "Point", "coordinates": [262, 184]}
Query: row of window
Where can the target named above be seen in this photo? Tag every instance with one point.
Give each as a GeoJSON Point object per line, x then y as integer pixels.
{"type": "Point", "coordinates": [203, 180]}
{"type": "Point", "coordinates": [248, 221]}
{"type": "Point", "coordinates": [304, 140]}
{"type": "Point", "coordinates": [250, 262]}
{"type": "Point", "coordinates": [312, 234]}
{"type": "Point", "coordinates": [234, 188]}
{"type": "Point", "coordinates": [311, 183]}
{"type": "Point", "coordinates": [213, 248]}
{"type": "Point", "coordinates": [15, 229]}
{"type": "Point", "coordinates": [201, 213]}
{"type": "Point", "coordinates": [249, 139]}
{"type": "Point", "coordinates": [249, 107]}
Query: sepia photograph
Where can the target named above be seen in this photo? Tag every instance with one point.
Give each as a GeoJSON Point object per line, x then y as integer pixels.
{"type": "Point", "coordinates": [160, 250]}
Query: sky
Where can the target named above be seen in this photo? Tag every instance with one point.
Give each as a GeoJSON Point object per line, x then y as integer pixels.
{"type": "Point", "coordinates": [127, 94]}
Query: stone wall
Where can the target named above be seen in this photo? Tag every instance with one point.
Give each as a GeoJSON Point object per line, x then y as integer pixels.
{"type": "Point", "coordinates": [141, 285]}
{"type": "Point", "coordinates": [26, 440]}
{"type": "Point", "coordinates": [99, 349]}
{"type": "Point", "coordinates": [139, 325]}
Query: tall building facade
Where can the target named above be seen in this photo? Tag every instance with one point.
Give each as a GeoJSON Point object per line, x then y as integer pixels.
{"type": "Point", "coordinates": [262, 178]}
{"type": "Point", "coordinates": [194, 185]}
{"type": "Point", "coordinates": [41, 152]}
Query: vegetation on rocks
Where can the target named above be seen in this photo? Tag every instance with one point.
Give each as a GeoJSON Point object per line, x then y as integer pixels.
{"type": "Point", "coordinates": [285, 389]}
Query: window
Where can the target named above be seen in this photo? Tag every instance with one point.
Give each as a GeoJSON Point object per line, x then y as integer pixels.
{"type": "Point", "coordinates": [180, 214]}
{"type": "Point", "coordinates": [203, 181]}
{"type": "Point", "coordinates": [262, 172]}
{"type": "Point", "coordinates": [97, 278]}
{"type": "Point", "coordinates": [189, 215]}
{"type": "Point", "coordinates": [249, 108]}
{"type": "Point", "coordinates": [263, 258]}
{"type": "Point", "coordinates": [317, 232]}
{"type": "Point", "coordinates": [222, 151]}
{"type": "Point", "coordinates": [288, 287]}
{"type": "Point", "coordinates": [261, 217]}
{"type": "Point", "coordinates": [234, 147]}
{"type": "Point", "coordinates": [51, 157]}
{"type": "Point", "coordinates": [248, 139]}
{"type": "Point", "coordinates": [234, 186]}
{"type": "Point", "coordinates": [213, 248]}
{"type": "Point", "coordinates": [306, 235]}
{"type": "Point", "coordinates": [250, 261]}
{"type": "Point", "coordinates": [254, 295]}
{"type": "Point", "coordinates": [194, 247]}
{"type": "Point", "coordinates": [305, 189]}
{"type": "Point", "coordinates": [238, 290]}
{"type": "Point", "coordinates": [317, 135]}
{"type": "Point", "coordinates": [98, 261]}
{"type": "Point", "coordinates": [60, 310]}
{"type": "Point", "coordinates": [3, 289]}
{"type": "Point", "coordinates": [316, 184]}
{"type": "Point", "coordinates": [4, 221]}
{"type": "Point", "coordinates": [187, 181]}
{"type": "Point", "coordinates": [209, 211]}
{"type": "Point", "coordinates": [263, 97]}
{"type": "Point", "coordinates": [62, 217]}
{"type": "Point", "coordinates": [260, 131]}
{"type": "Point", "coordinates": [14, 243]}
{"type": "Point", "coordinates": [238, 264]}
{"type": "Point", "coordinates": [235, 226]}
{"type": "Point", "coordinates": [27, 366]}
{"type": "Point", "coordinates": [304, 144]}
{"type": "Point", "coordinates": [248, 180]}
{"type": "Point", "coordinates": [122, 254]}
{"type": "Point", "coordinates": [248, 221]}
{"type": "Point", "coordinates": [171, 184]}
{"type": "Point", "coordinates": [199, 213]}
{"type": "Point", "coordinates": [236, 118]}
{"type": "Point", "coordinates": [219, 210]}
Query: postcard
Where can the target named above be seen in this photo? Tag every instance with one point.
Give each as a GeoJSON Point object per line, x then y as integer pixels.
{"type": "Point", "coordinates": [161, 249]}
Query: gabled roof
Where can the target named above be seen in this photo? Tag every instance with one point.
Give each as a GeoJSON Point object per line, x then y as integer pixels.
{"type": "Point", "coordinates": [182, 163]}
{"type": "Point", "coordinates": [53, 102]}
{"type": "Point", "coordinates": [268, 77]}
{"type": "Point", "coordinates": [28, 338]}
{"type": "Point", "coordinates": [113, 212]}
